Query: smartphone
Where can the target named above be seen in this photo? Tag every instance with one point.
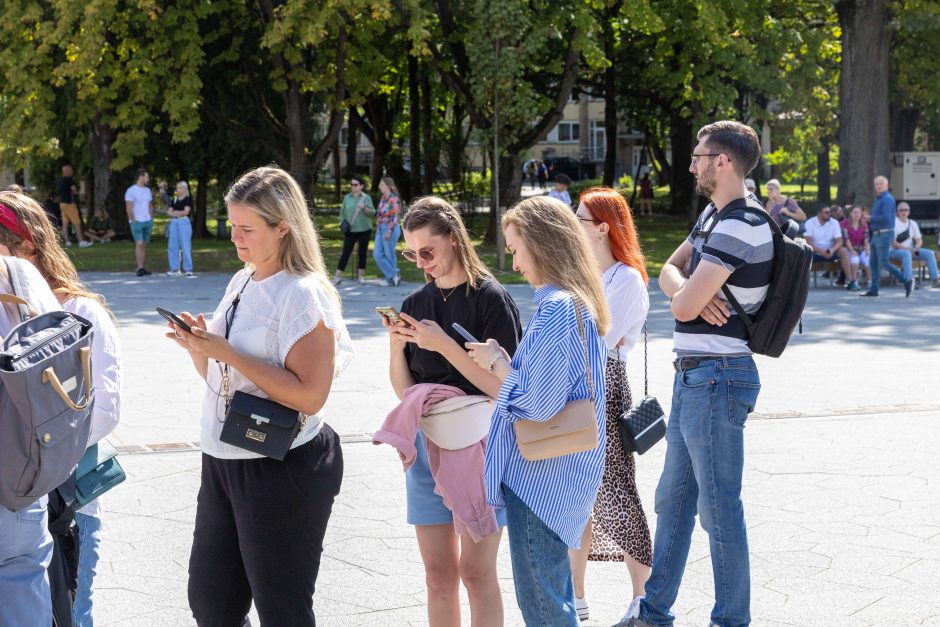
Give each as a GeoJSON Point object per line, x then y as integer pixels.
{"type": "Point", "coordinates": [389, 313]}
{"type": "Point", "coordinates": [466, 334]}
{"type": "Point", "coordinates": [172, 317]}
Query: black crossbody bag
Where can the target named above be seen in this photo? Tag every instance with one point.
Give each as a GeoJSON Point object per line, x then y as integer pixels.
{"type": "Point", "coordinates": [256, 424]}
{"type": "Point", "coordinates": [644, 425]}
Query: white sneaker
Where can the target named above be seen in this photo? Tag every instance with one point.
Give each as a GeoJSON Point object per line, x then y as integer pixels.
{"type": "Point", "coordinates": [84, 243]}
{"type": "Point", "coordinates": [67, 243]}
{"type": "Point", "coordinates": [171, 273]}
{"type": "Point", "coordinates": [581, 607]}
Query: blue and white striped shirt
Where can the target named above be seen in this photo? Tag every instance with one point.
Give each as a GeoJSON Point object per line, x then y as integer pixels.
{"type": "Point", "coordinates": [548, 370]}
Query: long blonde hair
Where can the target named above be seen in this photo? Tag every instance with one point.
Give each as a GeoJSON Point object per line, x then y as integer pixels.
{"type": "Point", "coordinates": [443, 219]}
{"type": "Point", "coordinates": [391, 185]}
{"type": "Point", "coordinates": [561, 252]}
{"type": "Point", "coordinates": [274, 195]}
{"type": "Point", "coordinates": [48, 256]}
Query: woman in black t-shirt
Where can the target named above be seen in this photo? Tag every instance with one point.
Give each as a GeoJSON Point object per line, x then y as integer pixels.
{"type": "Point", "coordinates": [425, 348]}
{"type": "Point", "coordinates": [179, 232]}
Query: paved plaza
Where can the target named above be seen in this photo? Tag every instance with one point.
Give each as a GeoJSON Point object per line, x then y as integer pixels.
{"type": "Point", "coordinates": [840, 491]}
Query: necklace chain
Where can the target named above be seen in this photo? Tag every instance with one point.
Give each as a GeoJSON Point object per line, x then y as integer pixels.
{"type": "Point", "coordinates": [449, 294]}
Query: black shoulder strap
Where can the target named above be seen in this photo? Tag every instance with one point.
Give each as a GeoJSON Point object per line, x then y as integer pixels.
{"type": "Point", "coordinates": [746, 204]}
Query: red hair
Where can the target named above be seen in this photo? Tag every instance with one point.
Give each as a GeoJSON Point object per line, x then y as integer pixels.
{"type": "Point", "coordinates": [610, 207]}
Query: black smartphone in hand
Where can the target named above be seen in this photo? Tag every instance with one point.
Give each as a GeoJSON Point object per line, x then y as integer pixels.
{"type": "Point", "coordinates": [172, 317]}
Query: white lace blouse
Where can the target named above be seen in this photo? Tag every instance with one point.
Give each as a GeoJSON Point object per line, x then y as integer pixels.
{"type": "Point", "coordinates": [273, 314]}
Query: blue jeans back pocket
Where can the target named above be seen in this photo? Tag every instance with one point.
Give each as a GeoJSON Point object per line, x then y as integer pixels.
{"type": "Point", "coordinates": [742, 397]}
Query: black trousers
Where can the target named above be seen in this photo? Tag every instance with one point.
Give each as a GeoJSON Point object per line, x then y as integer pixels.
{"type": "Point", "coordinates": [259, 535]}
{"type": "Point", "coordinates": [351, 239]}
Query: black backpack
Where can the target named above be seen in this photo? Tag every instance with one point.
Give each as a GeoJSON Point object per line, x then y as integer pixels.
{"type": "Point", "coordinates": [771, 327]}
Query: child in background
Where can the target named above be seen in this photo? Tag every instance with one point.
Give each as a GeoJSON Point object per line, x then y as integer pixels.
{"type": "Point", "coordinates": [100, 227]}
{"type": "Point", "coordinates": [561, 189]}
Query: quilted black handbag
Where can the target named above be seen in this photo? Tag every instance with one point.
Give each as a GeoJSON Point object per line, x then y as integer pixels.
{"type": "Point", "coordinates": [644, 425]}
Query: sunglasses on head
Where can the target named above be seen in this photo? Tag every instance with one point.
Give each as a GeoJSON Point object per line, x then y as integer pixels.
{"type": "Point", "coordinates": [427, 254]}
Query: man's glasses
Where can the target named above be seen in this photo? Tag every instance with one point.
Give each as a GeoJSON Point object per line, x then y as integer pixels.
{"type": "Point", "coordinates": [696, 157]}
{"type": "Point", "coordinates": [427, 254]}
{"type": "Point", "coordinates": [355, 184]}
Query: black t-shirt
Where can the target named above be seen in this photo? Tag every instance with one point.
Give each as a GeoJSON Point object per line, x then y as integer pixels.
{"type": "Point", "coordinates": [65, 190]}
{"type": "Point", "coordinates": [486, 312]}
{"type": "Point", "coordinates": [181, 203]}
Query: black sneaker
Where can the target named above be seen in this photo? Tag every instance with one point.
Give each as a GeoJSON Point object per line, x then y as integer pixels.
{"type": "Point", "coordinates": [908, 288]}
{"type": "Point", "coordinates": [869, 293]}
{"type": "Point", "coordinates": [140, 272]}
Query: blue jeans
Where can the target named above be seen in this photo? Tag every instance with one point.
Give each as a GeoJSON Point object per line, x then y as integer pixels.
{"type": "Point", "coordinates": [880, 245]}
{"type": "Point", "coordinates": [89, 537]}
{"type": "Point", "coordinates": [180, 235]}
{"type": "Point", "coordinates": [540, 568]}
{"type": "Point", "coordinates": [384, 250]}
{"type": "Point", "coordinates": [905, 255]}
{"type": "Point", "coordinates": [25, 553]}
{"type": "Point", "coordinates": [702, 474]}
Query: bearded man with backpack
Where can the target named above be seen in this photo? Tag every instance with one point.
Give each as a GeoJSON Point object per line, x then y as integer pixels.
{"type": "Point", "coordinates": [738, 286]}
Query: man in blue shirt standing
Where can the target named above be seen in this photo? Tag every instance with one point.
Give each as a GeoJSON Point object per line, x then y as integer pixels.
{"type": "Point", "coordinates": [883, 214]}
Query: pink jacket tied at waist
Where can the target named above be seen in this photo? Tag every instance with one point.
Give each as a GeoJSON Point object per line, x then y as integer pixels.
{"type": "Point", "coordinates": [458, 475]}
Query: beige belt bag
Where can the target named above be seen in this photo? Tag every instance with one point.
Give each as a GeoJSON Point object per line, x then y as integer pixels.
{"type": "Point", "coordinates": [458, 422]}
{"type": "Point", "coordinates": [572, 430]}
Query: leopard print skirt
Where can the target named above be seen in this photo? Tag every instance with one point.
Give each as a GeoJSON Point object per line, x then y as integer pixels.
{"type": "Point", "coordinates": [620, 525]}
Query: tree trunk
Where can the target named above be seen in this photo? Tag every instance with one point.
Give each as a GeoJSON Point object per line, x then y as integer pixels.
{"type": "Point", "coordinates": [100, 141]}
{"type": "Point", "coordinates": [863, 98]}
{"type": "Point", "coordinates": [823, 175]}
{"type": "Point", "coordinates": [200, 228]}
{"type": "Point", "coordinates": [352, 142]}
{"type": "Point", "coordinates": [337, 173]}
{"type": "Point", "coordinates": [610, 95]}
{"type": "Point", "coordinates": [510, 189]}
{"type": "Point", "coordinates": [610, 125]}
{"type": "Point", "coordinates": [681, 182]}
{"type": "Point", "coordinates": [414, 124]}
{"type": "Point", "coordinates": [427, 132]}
{"type": "Point", "coordinates": [903, 126]}
{"type": "Point", "coordinates": [296, 122]}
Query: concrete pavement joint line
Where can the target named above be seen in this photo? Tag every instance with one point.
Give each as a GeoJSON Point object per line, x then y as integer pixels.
{"type": "Point", "coordinates": [843, 412]}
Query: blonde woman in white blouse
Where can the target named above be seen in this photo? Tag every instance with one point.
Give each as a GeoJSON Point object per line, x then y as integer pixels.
{"type": "Point", "coordinates": [36, 241]}
{"type": "Point", "coordinates": [260, 522]}
{"type": "Point", "coordinates": [618, 530]}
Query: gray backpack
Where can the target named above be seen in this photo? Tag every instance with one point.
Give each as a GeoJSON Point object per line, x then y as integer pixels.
{"type": "Point", "coordinates": [46, 397]}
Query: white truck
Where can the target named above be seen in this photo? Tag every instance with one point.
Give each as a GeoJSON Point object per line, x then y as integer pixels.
{"type": "Point", "coordinates": [915, 178]}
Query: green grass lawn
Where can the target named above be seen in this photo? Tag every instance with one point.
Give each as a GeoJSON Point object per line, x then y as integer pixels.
{"type": "Point", "coordinates": [659, 236]}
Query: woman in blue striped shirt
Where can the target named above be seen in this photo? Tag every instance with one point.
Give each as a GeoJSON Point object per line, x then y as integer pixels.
{"type": "Point", "coordinates": [547, 502]}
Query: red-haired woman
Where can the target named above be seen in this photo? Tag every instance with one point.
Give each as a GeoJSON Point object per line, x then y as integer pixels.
{"type": "Point", "coordinates": [618, 529]}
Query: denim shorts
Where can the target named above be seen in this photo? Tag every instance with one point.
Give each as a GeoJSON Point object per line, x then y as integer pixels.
{"type": "Point", "coordinates": [424, 506]}
{"type": "Point", "coordinates": [142, 230]}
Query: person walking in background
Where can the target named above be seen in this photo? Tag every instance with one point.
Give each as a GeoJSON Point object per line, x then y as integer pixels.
{"type": "Point", "coordinates": [39, 247]}
{"type": "Point", "coordinates": [355, 211]}
{"type": "Point", "coordinates": [138, 202]}
{"type": "Point", "coordinates": [617, 530]}
{"type": "Point", "coordinates": [100, 227]}
{"type": "Point", "coordinates": [560, 191]}
{"type": "Point", "coordinates": [908, 245]}
{"type": "Point", "coordinates": [716, 382]}
{"type": "Point", "coordinates": [277, 334]}
{"type": "Point", "coordinates": [68, 206]}
{"type": "Point", "coordinates": [424, 349]}
{"type": "Point", "coordinates": [560, 359]}
{"type": "Point", "coordinates": [855, 236]}
{"type": "Point", "coordinates": [543, 174]}
{"type": "Point", "coordinates": [883, 217]}
{"type": "Point", "coordinates": [387, 231]}
{"type": "Point", "coordinates": [646, 195]}
{"type": "Point", "coordinates": [180, 231]}
{"type": "Point", "coordinates": [780, 207]}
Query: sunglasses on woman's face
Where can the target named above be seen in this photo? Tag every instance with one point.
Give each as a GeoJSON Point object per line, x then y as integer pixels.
{"type": "Point", "coordinates": [427, 254]}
